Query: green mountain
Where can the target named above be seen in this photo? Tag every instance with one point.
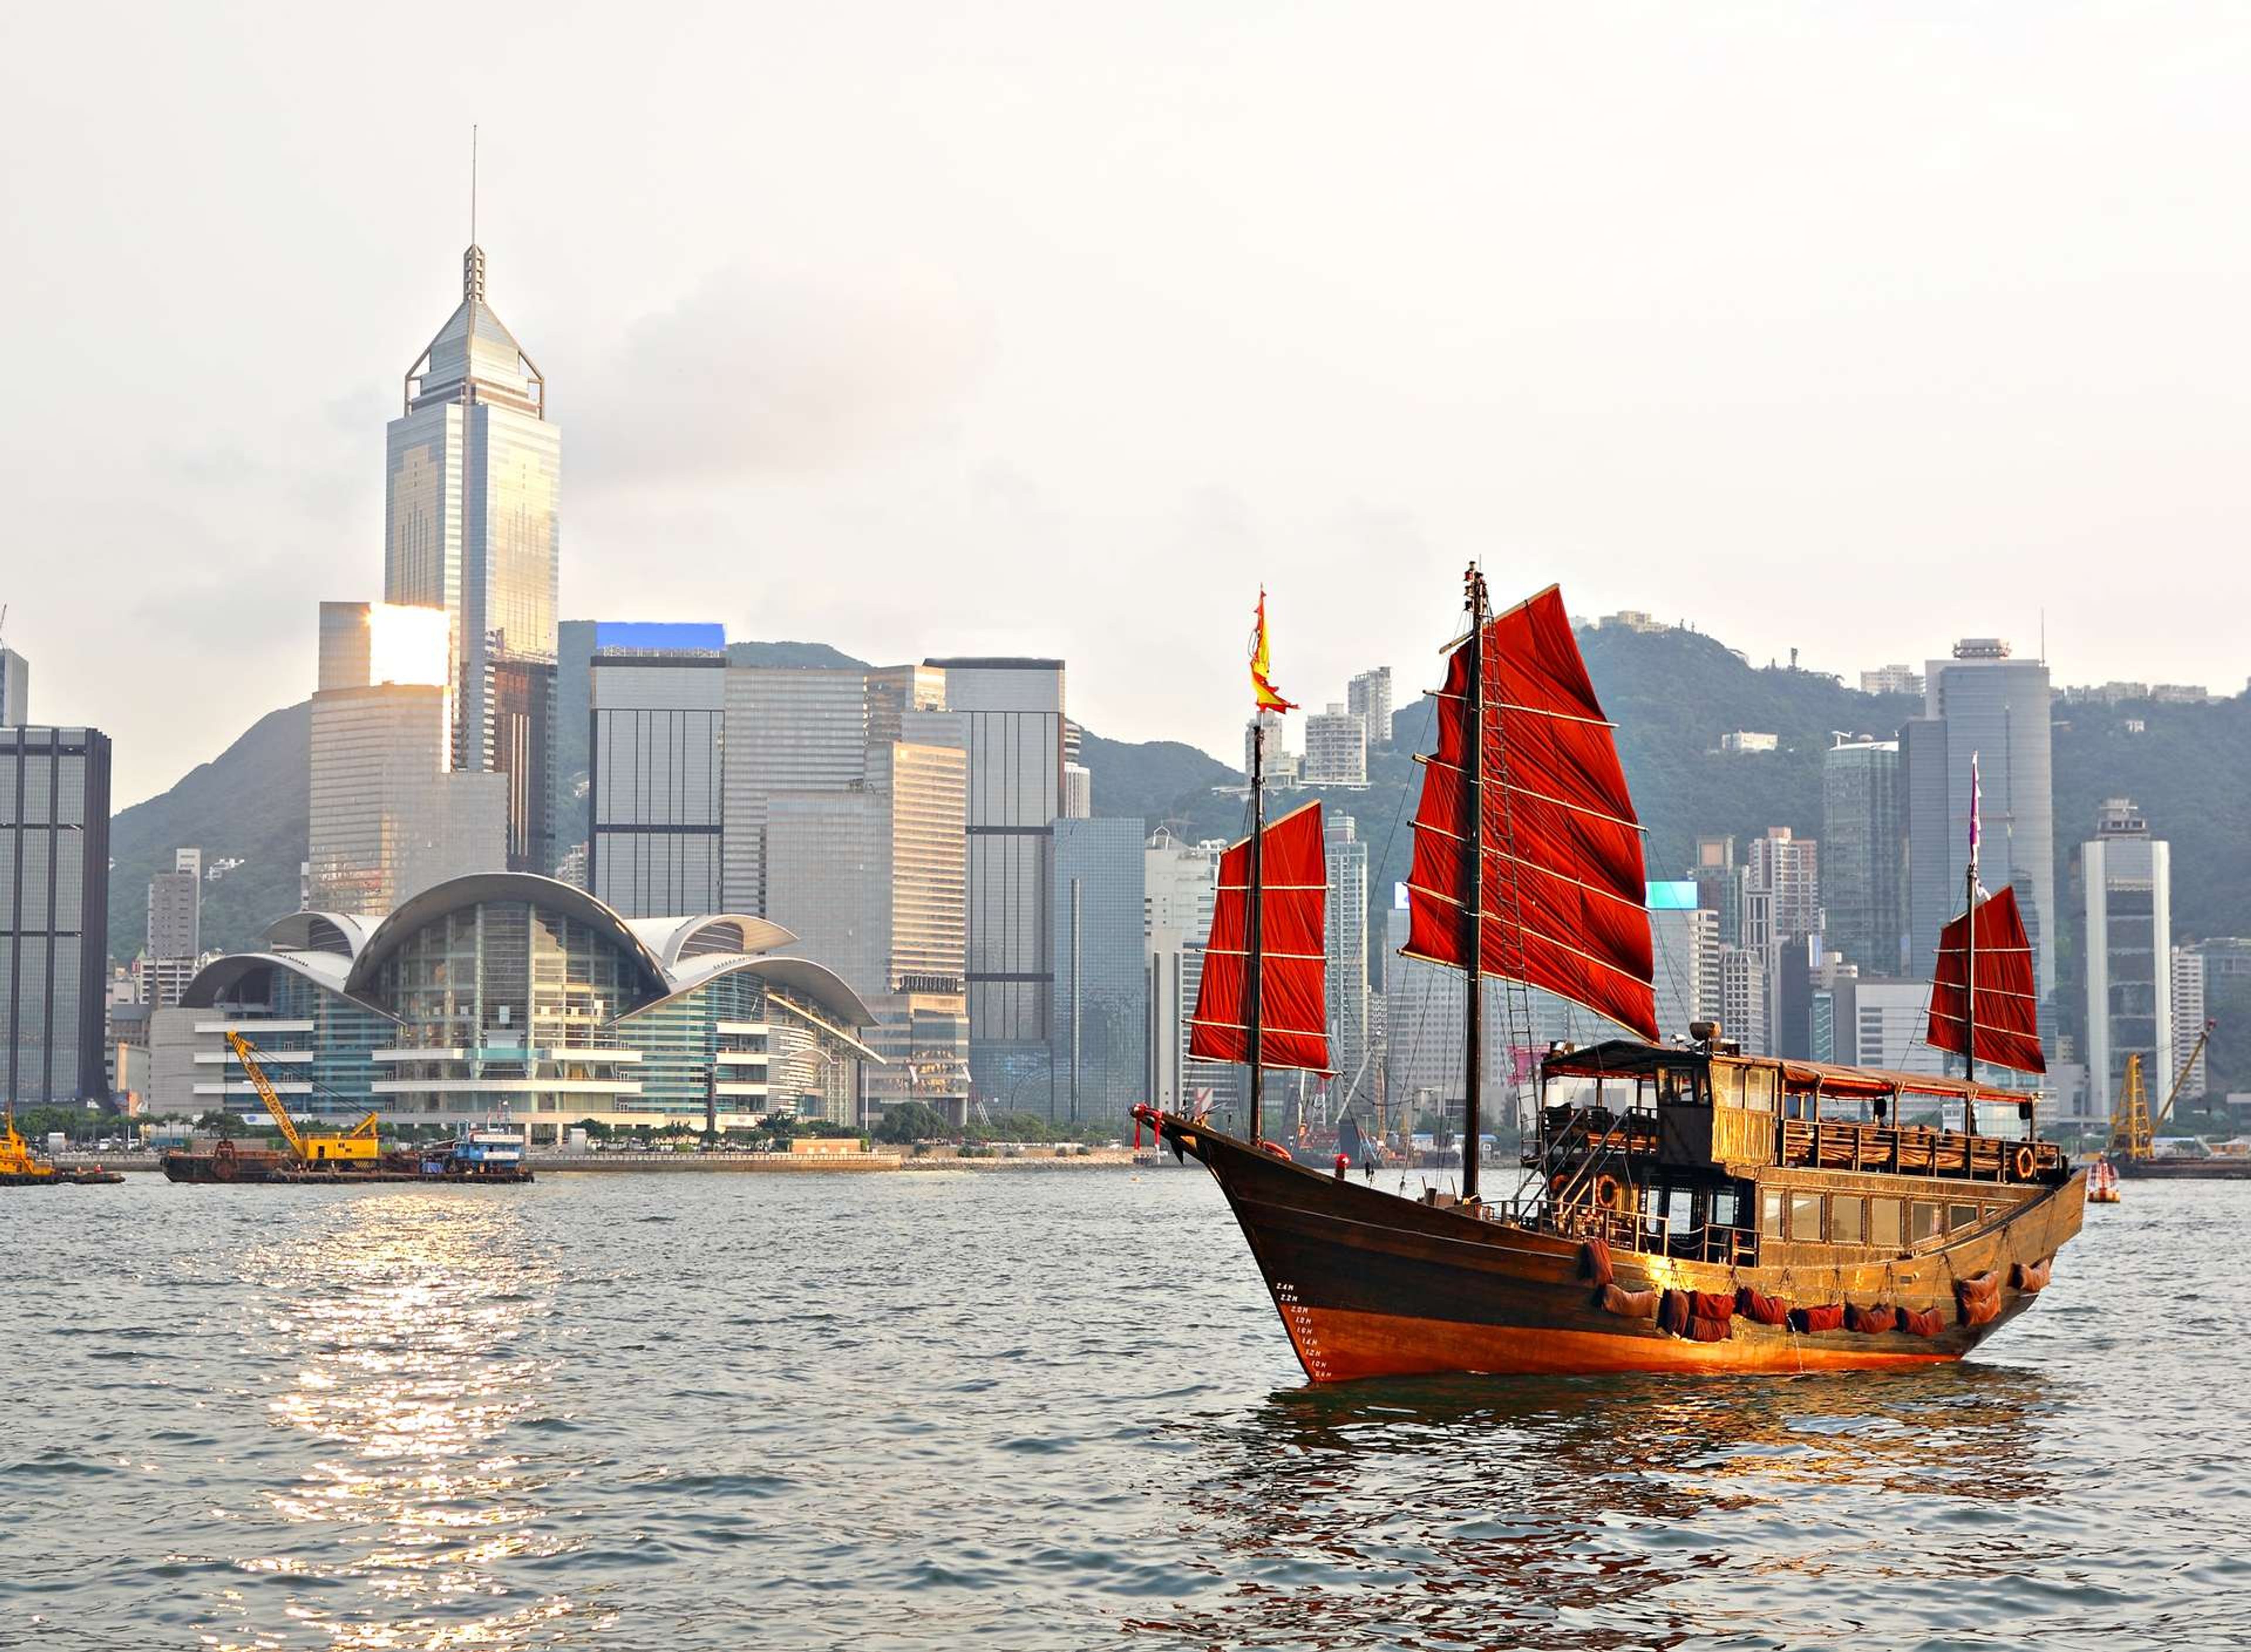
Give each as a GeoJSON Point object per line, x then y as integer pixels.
{"type": "Point", "coordinates": [249, 804]}
{"type": "Point", "coordinates": [1673, 694]}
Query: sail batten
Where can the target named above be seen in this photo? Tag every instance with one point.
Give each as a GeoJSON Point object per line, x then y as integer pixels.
{"type": "Point", "coordinates": [2007, 1019]}
{"type": "Point", "coordinates": [1293, 957]}
{"type": "Point", "coordinates": [1560, 875]}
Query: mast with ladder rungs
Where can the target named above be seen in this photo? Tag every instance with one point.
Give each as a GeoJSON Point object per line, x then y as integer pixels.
{"type": "Point", "coordinates": [1473, 897]}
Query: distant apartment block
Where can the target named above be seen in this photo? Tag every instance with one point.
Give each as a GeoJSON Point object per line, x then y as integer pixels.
{"type": "Point", "coordinates": [175, 932]}
{"type": "Point", "coordinates": [1630, 619]}
{"type": "Point", "coordinates": [1743, 742]}
{"type": "Point", "coordinates": [1368, 696]}
{"type": "Point", "coordinates": [2189, 1013]}
{"type": "Point", "coordinates": [1336, 749]}
{"type": "Point", "coordinates": [1281, 765]}
{"type": "Point", "coordinates": [1891, 679]}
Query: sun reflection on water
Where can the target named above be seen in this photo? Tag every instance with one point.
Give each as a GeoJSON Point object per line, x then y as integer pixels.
{"type": "Point", "coordinates": [411, 1328]}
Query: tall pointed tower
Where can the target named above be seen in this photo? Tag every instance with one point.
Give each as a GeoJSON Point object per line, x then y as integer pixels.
{"type": "Point", "coordinates": [472, 470]}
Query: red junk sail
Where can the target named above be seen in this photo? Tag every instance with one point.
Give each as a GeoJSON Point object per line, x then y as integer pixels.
{"type": "Point", "coordinates": [2008, 1000]}
{"type": "Point", "coordinates": [1292, 1008]}
{"type": "Point", "coordinates": [1560, 845]}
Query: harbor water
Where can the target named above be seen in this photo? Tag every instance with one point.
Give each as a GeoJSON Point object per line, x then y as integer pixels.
{"type": "Point", "coordinates": [1037, 1409]}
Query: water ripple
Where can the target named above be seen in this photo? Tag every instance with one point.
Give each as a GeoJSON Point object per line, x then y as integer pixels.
{"type": "Point", "coordinates": [1032, 1412]}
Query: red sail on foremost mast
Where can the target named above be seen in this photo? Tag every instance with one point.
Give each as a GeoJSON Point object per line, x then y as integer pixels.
{"type": "Point", "coordinates": [2008, 1001]}
{"type": "Point", "coordinates": [1561, 846]}
{"type": "Point", "coordinates": [1293, 1011]}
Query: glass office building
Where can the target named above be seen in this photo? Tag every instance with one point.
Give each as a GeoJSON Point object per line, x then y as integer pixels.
{"type": "Point", "coordinates": [472, 526]}
{"type": "Point", "coordinates": [657, 738]}
{"type": "Point", "coordinates": [506, 994]}
{"type": "Point", "coordinates": [54, 912]}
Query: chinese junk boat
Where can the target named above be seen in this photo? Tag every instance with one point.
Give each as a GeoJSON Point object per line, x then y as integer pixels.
{"type": "Point", "coordinates": [1685, 1206]}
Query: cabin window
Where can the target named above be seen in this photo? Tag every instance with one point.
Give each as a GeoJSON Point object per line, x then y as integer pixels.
{"type": "Point", "coordinates": [1848, 1220]}
{"type": "Point", "coordinates": [1758, 1088]}
{"type": "Point", "coordinates": [1926, 1221]}
{"type": "Point", "coordinates": [1884, 1223]}
{"type": "Point", "coordinates": [1679, 1210]}
{"type": "Point", "coordinates": [1728, 1086]}
{"type": "Point", "coordinates": [1806, 1216]}
{"type": "Point", "coordinates": [1770, 1213]}
{"type": "Point", "coordinates": [1961, 1215]}
{"type": "Point", "coordinates": [1724, 1213]}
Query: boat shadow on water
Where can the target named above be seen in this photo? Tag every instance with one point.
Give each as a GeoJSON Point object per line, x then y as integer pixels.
{"type": "Point", "coordinates": [1448, 1510]}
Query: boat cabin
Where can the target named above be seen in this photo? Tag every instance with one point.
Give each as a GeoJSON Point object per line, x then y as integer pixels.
{"type": "Point", "coordinates": [1702, 1152]}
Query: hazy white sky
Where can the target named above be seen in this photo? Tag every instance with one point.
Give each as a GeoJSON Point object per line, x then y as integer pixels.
{"type": "Point", "coordinates": [1057, 328]}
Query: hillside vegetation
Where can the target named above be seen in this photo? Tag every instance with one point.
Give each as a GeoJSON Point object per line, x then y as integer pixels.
{"type": "Point", "coordinates": [1671, 693]}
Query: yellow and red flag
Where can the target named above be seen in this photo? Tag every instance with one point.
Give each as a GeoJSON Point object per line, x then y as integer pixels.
{"type": "Point", "coordinates": [1268, 697]}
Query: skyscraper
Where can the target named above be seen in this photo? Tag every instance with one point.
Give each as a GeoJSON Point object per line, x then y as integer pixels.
{"type": "Point", "coordinates": [175, 934]}
{"type": "Point", "coordinates": [1864, 853]}
{"type": "Point", "coordinates": [1101, 989]}
{"type": "Point", "coordinates": [1368, 697]}
{"type": "Point", "coordinates": [1180, 887]}
{"type": "Point", "coordinates": [2128, 875]}
{"type": "Point", "coordinates": [389, 814]}
{"type": "Point", "coordinates": [1783, 886]}
{"type": "Point", "coordinates": [15, 689]}
{"type": "Point", "coordinates": [54, 912]}
{"type": "Point", "coordinates": [2188, 1023]}
{"type": "Point", "coordinates": [1981, 703]}
{"type": "Point", "coordinates": [788, 729]}
{"type": "Point", "coordinates": [1345, 942]}
{"type": "Point", "coordinates": [1426, 1014]}
{"type": "Point", "coordinates": [1720, 886]}
{"type": "Point", "coordinates": [472, 526]}
{"type": "Point", "coordinates": [658, 710]}
{"type": "Point", "coordinates": [1011, 712]}
{"type": "Point", "coordinates": [1685, 948]}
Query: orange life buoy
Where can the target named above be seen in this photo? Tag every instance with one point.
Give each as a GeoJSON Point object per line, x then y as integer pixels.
{"type": "Point", "coordinates": [2027, 1161]}
{"type": "Point", "coordinates": [1609, 1194]}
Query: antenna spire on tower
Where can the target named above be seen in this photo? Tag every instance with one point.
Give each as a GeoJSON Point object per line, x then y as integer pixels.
{"type": "Point", "coordinates": [473, 183]}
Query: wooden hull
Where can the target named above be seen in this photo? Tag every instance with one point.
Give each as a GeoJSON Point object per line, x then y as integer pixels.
{"type": "Point", "coordinates": [1372, 1285]}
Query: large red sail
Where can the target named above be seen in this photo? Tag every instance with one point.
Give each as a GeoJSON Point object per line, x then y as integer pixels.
{"type": "Point", "coordinates": [1292, 1001]}
{"type": "Point", "coordinates": [1559, 844]}
{"type": "Point", "coordinates": [2008, 999]}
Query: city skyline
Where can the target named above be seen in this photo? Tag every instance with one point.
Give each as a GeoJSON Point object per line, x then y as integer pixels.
{"type": "Point", "coordinates": [784, 382]}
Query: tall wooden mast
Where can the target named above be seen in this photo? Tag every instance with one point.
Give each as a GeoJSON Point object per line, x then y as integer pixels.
{"type": "Point", "coordinates": [1473, 894]}
{"type": "Point", "coordinates": [1969, 960]}
{"type": "Point", "coordinates": [1254, 940]}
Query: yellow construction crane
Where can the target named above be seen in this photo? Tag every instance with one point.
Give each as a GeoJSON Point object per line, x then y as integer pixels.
{"type": "Point", "coordinates": [355, 1146]}
{"type": "Point", "coordinates": [2134, 1133]}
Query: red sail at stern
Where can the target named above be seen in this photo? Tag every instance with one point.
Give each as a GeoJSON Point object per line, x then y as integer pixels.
{"type": "Point", "coordinates": [1561, 845]}
{"type": "Point", "coordinates": [2008, 1000]}
{"type": "Point", "coordinates": [1292, 1005]}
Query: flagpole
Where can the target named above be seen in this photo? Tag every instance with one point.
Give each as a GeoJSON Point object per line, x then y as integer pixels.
{"type": "Point", "coordinates": [1254, 1041]}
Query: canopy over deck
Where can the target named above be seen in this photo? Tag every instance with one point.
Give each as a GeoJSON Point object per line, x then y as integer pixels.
{"type": "Point", "coordinates": [1629, 1058]}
